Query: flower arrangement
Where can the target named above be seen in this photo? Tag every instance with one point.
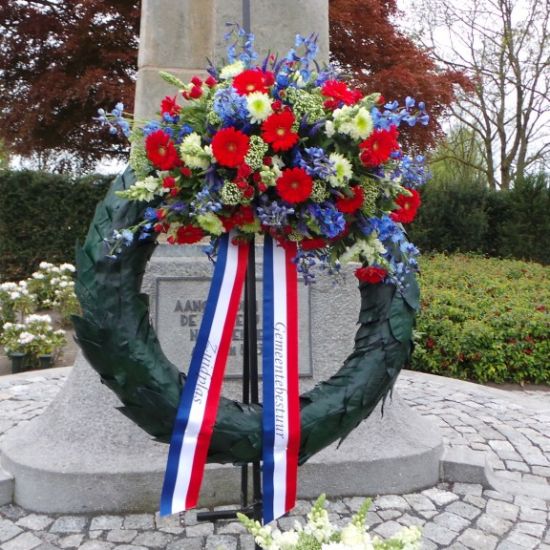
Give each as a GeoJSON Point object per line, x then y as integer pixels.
{"type": "Point", "coordinates": [319, 534]}
{"type": "Point", "coordinates": [280, 148]}
{"type": "Point", "coordinates": [51, 284]}
{"type": "Point", "coordinates": [35, 336]}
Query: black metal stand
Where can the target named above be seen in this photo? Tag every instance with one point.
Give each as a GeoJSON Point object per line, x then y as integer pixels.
{"type": "Point", "coordinates": [251, 508]}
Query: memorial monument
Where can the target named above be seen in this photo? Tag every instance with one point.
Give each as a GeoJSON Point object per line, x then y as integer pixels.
{"type": "Point", "coordinates": [81, 456]}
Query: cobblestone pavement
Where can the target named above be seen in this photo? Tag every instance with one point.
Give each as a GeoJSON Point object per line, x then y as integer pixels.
{"type": "Point", "coordinates": [514, 428]}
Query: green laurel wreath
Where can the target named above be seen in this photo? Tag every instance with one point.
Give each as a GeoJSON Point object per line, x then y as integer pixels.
{"type": "Point", "coordinates": [119, 342]}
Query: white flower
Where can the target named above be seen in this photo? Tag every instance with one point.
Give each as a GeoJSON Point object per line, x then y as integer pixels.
{"type": "Point", "coordinates": [37, 275]}
{"type": "Point", "coordinates": [25, 338]}
{"type": "Point", "coordinates": [8, 286]}
{"type": "Point", "coordinates": [67, 267]}
{"type": "Point", "coordinates": [45, 265]}
{"type": "Point", "coordinates": [361, 125]}
{"type": "Point", "coordinates": [343, 170]}
{"type": "Point", "coordinates": [35, 318]}
{"type": "Point", "coordinates": [334, 546]}
{"type": "Point", "coordinates": [410, 537]}
{"type": "Point", "coordinates": [259, 106]}
{"type": "Point", "coordinates": [60, 332]}
{"type": "Point", "coordinates": [229, 71]}
{"type": "Point", "coordinates": [15, 295]}
{"type": "Point", "coordinates": [192, 152]}
{"type": "Point", "coordinates": [286, 540]}
{"type": "Point", "coordinates": [329, 128]}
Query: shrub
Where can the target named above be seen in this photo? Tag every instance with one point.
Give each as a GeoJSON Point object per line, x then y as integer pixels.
{"type": "Point", "coordinates": [486, 320]}
{"type": "Point", "coordinates": [42, 216]}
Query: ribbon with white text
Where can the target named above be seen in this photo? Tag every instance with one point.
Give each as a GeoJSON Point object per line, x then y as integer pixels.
{"type": "Point", "coordinates": [281, 404]}
{"type": "Point", "coordinates": [201, 394]}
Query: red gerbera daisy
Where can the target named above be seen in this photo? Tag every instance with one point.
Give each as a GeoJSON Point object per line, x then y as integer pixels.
{"type": "Point", "coordinates": [408, 207]}
{"type": "Point", "coordinates": [294, 185]}
{"type": "Point", "coordinates": [230, 147]}
{"type": "Point", "coordinates": [188, 234]}
{"type": "Point", "coordinates": [378, 147]}
{"type": "Point", "coordinates": [277, 130]}
{"type": "Point", "coordinates": [253, 80]}
{"type": "Point", "coordinates": [349, 205]}
{"type": "Point", "coordinates": [169, 106]}
{"type": "Point", "coordinates": [313, 243]}
{"type": "Point", "coordinates": [340, 93]}
{"type": "Point", "coordinates": [161, 150]}
{"type": "Point", "coordinates": [371, 274]}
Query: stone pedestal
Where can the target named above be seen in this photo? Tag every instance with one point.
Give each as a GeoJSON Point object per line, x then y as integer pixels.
{"type": "Point", "coordinates": [82, 455]}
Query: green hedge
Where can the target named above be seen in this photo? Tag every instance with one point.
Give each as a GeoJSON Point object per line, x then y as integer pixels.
{"type": "Point", "coordinates": [484, 319]}
{"type": "Point", "coordinates": [468, 217]}
{"type": "Point", "coordinates": [41, 217]}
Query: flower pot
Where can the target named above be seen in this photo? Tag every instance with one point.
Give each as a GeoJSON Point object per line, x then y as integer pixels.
{"type": "Point", "coordinates": [45, 361]}
{"type": "Point", "coordinates": [18, 361]}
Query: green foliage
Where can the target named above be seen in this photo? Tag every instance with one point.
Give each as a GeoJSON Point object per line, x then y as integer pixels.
{"type": "Point", "coordinates": [467, 216]}
{"type": "Point", "coordinates": [42, 216]}
{"type": "Point", "coordinates": [485, 320]}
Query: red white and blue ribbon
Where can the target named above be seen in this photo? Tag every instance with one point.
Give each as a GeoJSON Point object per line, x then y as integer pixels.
{"type": "Point", "coordinates": [281, 405]}
{"type": "Point", "coordinates": [200, 397]}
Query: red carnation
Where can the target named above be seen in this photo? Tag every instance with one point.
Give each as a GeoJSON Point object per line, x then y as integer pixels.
{"type": "Point", "coordinates": [161, 151]}
{"type": "Point", "coordinates": [169, 106]}
{"type": "Point", "coordinates": [408, 207]}
{"type": "Point", "coordinates": [188, 234]}
{"type": "Point", "coordinates": [371, 274]}
{"type": "Point", "coordinates": [339, 93]}
{"type": "Point", "coordinates": [378, 147]}
{"type": "Point", "coordinates": [277, 130]}
{"type": "Point", "coordinates": [169, 182]}
{"type": "Point", "coordinates": [230, 147]}
{"type": "Point", "coordinates": [253, 80]}
{"type": "Point", "coordinates": [313, 243]}
{"type": "Point", "coordinates": [349, 205]}
{"type": "Point", "coordinates": [294, 185]}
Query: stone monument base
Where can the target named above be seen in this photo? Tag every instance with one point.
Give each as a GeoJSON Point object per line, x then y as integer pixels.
{"type": "Point", "coordinates": [81, 455]}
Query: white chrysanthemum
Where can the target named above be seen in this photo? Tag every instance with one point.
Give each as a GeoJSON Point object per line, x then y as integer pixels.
{"type": "Point", "coordinates": [259, 106]}
{"type": "Point", "coordinates": [192, 152]}
{"type": "Point", "coordinates": [361, 125]}
{"type": "Point", "coordinates": [25, 338]}
{"type": "Point", "coordinates": [343, 170]}
{"type": "Point", "coordinates": [229, 71]}
{"type": "Point", "coordinates": [329, 128]}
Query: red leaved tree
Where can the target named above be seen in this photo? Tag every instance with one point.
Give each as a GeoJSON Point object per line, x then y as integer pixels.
{"type": "Point", "coordinates": [367, 44]}
{"type": "Point", "coordinates": [60, 61]}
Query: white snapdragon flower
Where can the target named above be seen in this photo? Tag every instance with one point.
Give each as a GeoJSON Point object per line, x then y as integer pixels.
{"type": "Point", "coordinates": [329, 128]}
{"type": "Point", "coordinates": [229, 71]}
{"type": "Point", "coordinates": [259, 106]}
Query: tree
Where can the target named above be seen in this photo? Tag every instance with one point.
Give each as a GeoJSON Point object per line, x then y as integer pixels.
{"type": "Point", "coordinates": [504, 47]}
{"type": "Point", "coordinates": [366, 42]}
{"type": "Point", "coordinates": [59, 61]}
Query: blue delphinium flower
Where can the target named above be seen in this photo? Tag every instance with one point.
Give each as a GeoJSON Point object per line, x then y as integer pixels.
{"type": "Point", "coordinates": [315, 162]}
{"type": "Point", "coordinates": [230, 106]}
{"type": "Point", "coordinates": [330, 220]}
{"type": "Point", "coordinates": [274, 214]}
{"type": "Point", "coordinates": [114, 120]}
{"type": "Point", "coordinates": [151, 126]}
{"type": "Point", "coordinates": [204, 203]}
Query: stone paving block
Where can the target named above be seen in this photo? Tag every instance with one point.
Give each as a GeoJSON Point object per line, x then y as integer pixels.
{"type": "Point", "coordinates": [533, 529]}
{"type": "Point", "coordinates": [246, 542]}
{"type": "Point", "coordinates": [8, 530]}
{"type": "Point", "coordinates": [517, 466]}
{"type": "Point", "coordinates": [503, 510]}
{"type": "Point", "coordinates": [153, 538]}
{"type": "Point", "coordinates": [69, 524]}
{"type": "Point", "coordinates": [451, 521]}
{"type": "Point", "coordinates": [419, 502]}
{"type": "Point", "coordinates": [497, 495]}
{"type": "Point", "coordinates": [386, 515]}
{"type": "Point", "coordinates": [528, 514]}
{"type": "Point", "coordinates": [493, 524]}
{"type": "Point", "coordinates": [200, 530]}
{"type": "Point", "coordinates": [25, 541]}
{"type": "Point", "coordinates": [12, 511]}
{"type": "Point", "coordinates": [132, 547]}
{"type": "Point", "coordinates": [478, 502]}
{"type": "Point", "coordinates": [95, 534]}
{"type": "Point", "coordinates": [121, 535]}
{"type": "Point", "coordinates": [440, 497]}
{"type": "Point", "coordinates": [476, 539]}
{"type": "Point", "coordinates": [215, 542]}
{"type": "Point", "coordinates": [407, 520]}
{"type": "Point", "coordinates": [236, 527]}
{"type": "Point", "coordinates": [464, 510]}
{"type": "Point", "coordinates": [438, 533]}
{"type": "Point", "coordinates": [388, 529]}
{"type": "Point", "coordinates": [106, 522]}
{"type": "Point", "coordinates": [474, 489]}
{"type": "Point", "coordinates": [521, 540]}
{"type": "Point", "coordinates": [35, 522]}
{"type": "Point", "coordinates": [536, 480]}
{"type": "Point", "coordinates": [391, 501]}
{"type": "Point", "coordinates": [96, 545]}
{"type": "Point", "coordinates": [71, 541]}
{"type": "Point", "coordinates": [530, 502]}
{"type": "Point", "coordinates": [196, 543]}
{"type": "Point", "coordinates": [139, 521]}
